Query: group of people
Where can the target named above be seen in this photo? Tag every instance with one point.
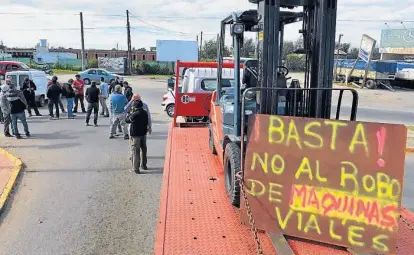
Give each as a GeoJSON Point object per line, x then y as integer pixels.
{"type": "Point", "coordinates": [128, 113]}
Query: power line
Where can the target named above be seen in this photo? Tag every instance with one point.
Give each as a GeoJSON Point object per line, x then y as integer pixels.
{"type": "Point", "coordinates": [149, 24]}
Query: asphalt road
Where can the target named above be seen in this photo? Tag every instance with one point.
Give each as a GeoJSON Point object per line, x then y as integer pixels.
{"type": "Point", "coordinates": [77, 196]}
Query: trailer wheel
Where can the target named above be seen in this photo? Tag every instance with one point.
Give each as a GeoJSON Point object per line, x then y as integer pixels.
{"type": "Point", "coordinates": [231, 168]}
{"type": "Point", "coordinates": [370, 84]}
{"type": "Point", "coordinates": [211, 142]}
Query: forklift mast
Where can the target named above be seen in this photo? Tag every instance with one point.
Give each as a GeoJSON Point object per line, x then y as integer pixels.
{"type": "Point", "coordinates": [318, 31]}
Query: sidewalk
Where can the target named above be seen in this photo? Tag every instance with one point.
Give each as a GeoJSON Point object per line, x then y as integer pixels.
{"type": "Point", "coordinates": [10, 167]}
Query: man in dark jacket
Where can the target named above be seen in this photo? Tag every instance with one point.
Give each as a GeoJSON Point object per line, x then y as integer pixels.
{"type": "Point", "coordinates": [29, 88]}
{"type": "Point", "coordinates": [92, 97]}
{"type": "Point", "coordinates": [54, 93]}
{"type": "Point", "coordinates": [128, 91]}
{"type": "Point", "coordinates": [18, 105]}
{"type": "Point", "coordinates": [138, 135]}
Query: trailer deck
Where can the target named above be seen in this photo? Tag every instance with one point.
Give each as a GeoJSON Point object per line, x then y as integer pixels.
{"type": "Point", "coordinates": [196, 217]}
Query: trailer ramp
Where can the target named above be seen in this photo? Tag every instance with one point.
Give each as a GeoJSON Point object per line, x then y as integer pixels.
{"type": "Point", "coordinates": [195, 216]}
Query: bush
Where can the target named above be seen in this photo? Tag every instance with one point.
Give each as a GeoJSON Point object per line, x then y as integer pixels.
{"type": "Point", "coordinates": [296, 62]}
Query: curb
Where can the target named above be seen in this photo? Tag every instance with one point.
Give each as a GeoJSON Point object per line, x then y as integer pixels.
{"type": "Point", "coordinates": [18, 165]}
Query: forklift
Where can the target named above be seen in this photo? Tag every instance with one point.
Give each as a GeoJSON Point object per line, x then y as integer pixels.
{"type": "Point", "coordinates": [264, 89]}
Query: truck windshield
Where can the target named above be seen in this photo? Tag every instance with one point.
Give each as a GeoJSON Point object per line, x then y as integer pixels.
{"type": "Point", "coordinates": [211, 84]}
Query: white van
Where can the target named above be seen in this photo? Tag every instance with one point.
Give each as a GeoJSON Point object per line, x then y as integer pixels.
{"type": "Point", "coordinates": [38, 77]}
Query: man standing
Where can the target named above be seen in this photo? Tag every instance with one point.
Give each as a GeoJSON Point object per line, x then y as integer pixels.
{"type": "Point", "coordinates": [137, 97]}
{"type": "Point", "coordinates": [128, 91]}
{"type": "Point", "coordinates": [54, 93]}
{"type": "Point", "coordinates": [29, 88]}
{"type": "Point", "coordinates": [92, 97]}
{"type": "Point", "coordinates": [18, 105]}
{"type": "Point", "coordinates": [104, 88]}
{"type": "Point", "coordinates": [138, 133]}
{"type": "Point", "coordinates": [117, 105]}
{"type": "Point", "coordinates": [78, 86]}
{"type": "Point", "coordinates": [5, 109]}
{"type": "Point", "coordinates": [69, 94]}
{"type": "Point", "coordinates": [62, 107]}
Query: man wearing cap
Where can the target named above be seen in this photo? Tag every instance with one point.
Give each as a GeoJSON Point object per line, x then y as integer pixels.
{"type": "Point", "coordinates": [136, 97]}
{"type": "Point", "coordinates": [138, 118]}
{"type": "Point", "coordinates": [127, 91]}
{"type": "Point", "coordinates": [54, 92]}
{"type": "Point", "coordinates": [117, 104]}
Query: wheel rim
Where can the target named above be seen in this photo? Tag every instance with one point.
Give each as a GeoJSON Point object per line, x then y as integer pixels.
{"type": "Point", "coordinates": [170, 110]}
{"type": "Point", "coordinates": [86, 81]}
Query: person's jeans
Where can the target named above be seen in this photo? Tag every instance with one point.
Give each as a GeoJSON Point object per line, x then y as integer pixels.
{"type": "Point", "coordinates": [118, 120]}
{"type": "Point", "coordinates": [138, 151]}
{"type": "Point", "coordinates": [61, 104]}
{"type": "Point", "coordinates": [69, 102]}
{"type": "Point", "coordinates": [54, 103]}
{"type": "Point", "coordinates": [7, 122]}
{"type": "Point", "coordinates": [79, 97]}
{"type": "Point", "coordinates": [104, 106]}
{"type": "Point", "coordinates": [22, 117]}
{"type": "Point", "coordinates": [95, 108]}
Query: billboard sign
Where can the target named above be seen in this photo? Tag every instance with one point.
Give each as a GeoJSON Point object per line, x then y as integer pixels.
{"type": "Point", "coordinates": [397, 38]}
{"type": "Point", "coordinates": [114, 65]}
{"type": "Point", "coordinates": [336, 182]}
{"type": "Point", "coordinates": [173, 50]}
{"type": "Point", "coordinates": [367, 46]}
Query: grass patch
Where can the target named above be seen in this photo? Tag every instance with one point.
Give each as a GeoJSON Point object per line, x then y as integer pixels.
{"type": "Point", "coordinates": [60, 71]}
{"type": "Point", "coordinates": [410, 128]}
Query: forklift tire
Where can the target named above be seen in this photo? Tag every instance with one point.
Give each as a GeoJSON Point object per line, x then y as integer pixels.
{"type": "Point", "coordinates": [211, 142]}
{"type": "Point", "coordinates": [231, 168]}
{"type": "Point", "coordinates": [370, 84]}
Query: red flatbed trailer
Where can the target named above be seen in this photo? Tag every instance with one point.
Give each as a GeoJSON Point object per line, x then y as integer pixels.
{"type": "Point", "coordinates": [196, 217]}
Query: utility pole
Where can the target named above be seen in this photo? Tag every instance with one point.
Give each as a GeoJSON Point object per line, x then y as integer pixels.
{"type": "Point", "coordinates": [129, 44]}
{"type": "Point", "coordinates": [82, 41]}
{"type": "Point", "coordinates": [337, 57]}
{"type": "Point", "coordinates": [198, 49]}
{"type": "Point", "coordinates": [201, 42]}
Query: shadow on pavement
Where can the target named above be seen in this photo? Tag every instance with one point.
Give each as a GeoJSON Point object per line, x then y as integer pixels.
{"type": "Point", "coordinates": [156, 157]}
{"type": "Point", "coordinates": [149, 171]}
{"type": "Point", "coordinates": [73, 170]}
{"type": "Point", "coordinates": [55, 136]}
{"type": "Point", "coordinates": [51, 146]}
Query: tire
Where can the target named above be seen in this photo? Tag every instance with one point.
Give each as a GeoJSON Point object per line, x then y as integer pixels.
{"type": "Point", "coordinates": [41, 101]}
{"type": "Point", "coordinates": [87, 81]}
{"type": "Point", "coordinates": [211, 142]}
{"type": "Point", "coordinates": [370, 84]}
{"type": "Point", "coordinates": [170, 110]}
{"type": "Point", "coordinates": [231, 168]}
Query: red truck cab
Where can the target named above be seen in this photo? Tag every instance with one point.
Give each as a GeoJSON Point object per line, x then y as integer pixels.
{"type": "Point", "coordinates": [8, 66]}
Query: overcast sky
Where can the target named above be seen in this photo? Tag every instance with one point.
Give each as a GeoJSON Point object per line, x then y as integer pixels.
{"type": "Point", "coordinates": [104, 21]}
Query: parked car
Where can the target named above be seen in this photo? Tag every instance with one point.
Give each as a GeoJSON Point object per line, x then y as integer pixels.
{"type": "Point", "coordinates": [8, 66]}
{"type": "Point", "coordinates": [38, 77]}
{"type": "Point", "coordinates": [168, 102]}
{"type": "Point", "coordinates": [95, 74]}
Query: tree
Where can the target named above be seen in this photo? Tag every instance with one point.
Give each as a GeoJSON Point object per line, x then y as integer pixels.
{"type": "Point", "coordinates": [142, 49]}
{"type": "Point", "coordinates": [353, 53]}
{"type": "Point", "coordinates": [288, 48]}
{"type": "Point", "coordinates": [209, 50]}
{"type": "Point", "coordinates": [249, 48]}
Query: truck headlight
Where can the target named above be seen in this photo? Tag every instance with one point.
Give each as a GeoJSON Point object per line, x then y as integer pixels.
{"type": "Point", "coordinates": [248, 112]}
